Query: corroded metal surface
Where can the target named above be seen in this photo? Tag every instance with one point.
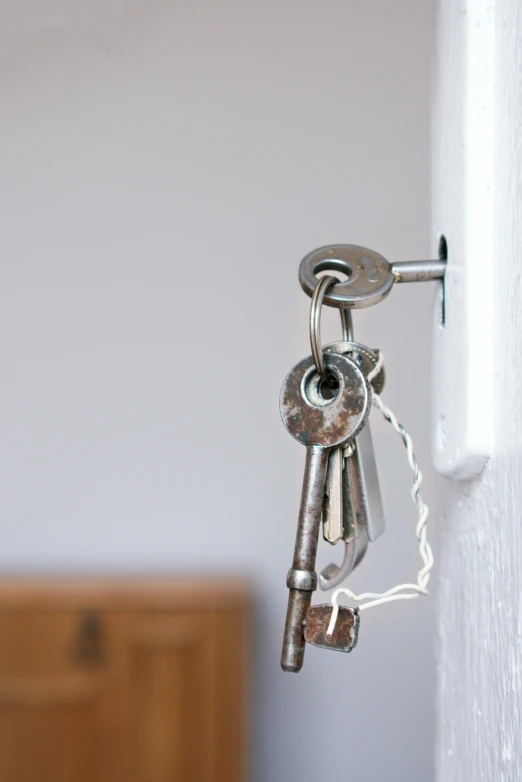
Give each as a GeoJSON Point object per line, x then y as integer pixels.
{"type": "Point", "coordinates": [294, 640]}
{"type": "Point", "coordinates": [337, 420]}
{"type": "Point", "coordinates": [345, 635]}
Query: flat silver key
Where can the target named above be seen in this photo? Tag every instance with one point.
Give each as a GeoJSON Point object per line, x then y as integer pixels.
{"type": "Point", "coordinates": [370, 277]}
{"type": "Point", "coordinates": [368, 478]}
{"type": "Point", "coordinates": [363, 464]}
{"type": "Point", "coordinates": [356, 534]}
{"type": "Point", "coordinates": [320, 424]}
{"type": "Point", "coordinates": [366, 507]}
{"type": "Point", "coordinates": [363, 513]}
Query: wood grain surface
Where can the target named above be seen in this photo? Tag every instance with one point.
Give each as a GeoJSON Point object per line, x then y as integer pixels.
{"type": "Point", "coordinates": [141, 680]}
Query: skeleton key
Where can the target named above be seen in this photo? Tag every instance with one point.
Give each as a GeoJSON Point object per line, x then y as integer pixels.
{"type": "Point", "coordinates": [321, 424]}
{"type": "Point", "coordinates": [363, 514]}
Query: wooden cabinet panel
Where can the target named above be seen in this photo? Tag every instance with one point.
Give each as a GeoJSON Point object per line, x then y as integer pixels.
{"type": "Point", "coordinates": [127, 681]}
{"type": "Point", "coordinates": [173, 673]}
{"type": "Point", "coordinates": [231, 666]}
{"type": "Point", "coordinates": [47, 732]}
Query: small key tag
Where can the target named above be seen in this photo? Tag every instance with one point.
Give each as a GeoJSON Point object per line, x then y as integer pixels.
{"type": "Point", "coordinates": [346, 632]}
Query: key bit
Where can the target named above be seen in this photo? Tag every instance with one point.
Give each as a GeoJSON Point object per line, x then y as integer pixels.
{"type": "Point", "coordinates": [345, 635]}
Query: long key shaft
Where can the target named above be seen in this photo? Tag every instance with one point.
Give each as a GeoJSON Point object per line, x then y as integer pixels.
{"type": "Point", "coordinates": [302, 578]}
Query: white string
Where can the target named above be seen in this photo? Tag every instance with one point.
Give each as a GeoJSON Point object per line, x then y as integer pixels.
{"type": "Point", "coordinates": [402, 591]}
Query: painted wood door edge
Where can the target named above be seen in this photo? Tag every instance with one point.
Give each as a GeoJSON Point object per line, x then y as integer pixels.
{"type": "Point", "coordinates": [463, 171]}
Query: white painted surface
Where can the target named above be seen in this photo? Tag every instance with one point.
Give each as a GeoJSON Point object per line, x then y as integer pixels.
{"type": "Point", "coordinates": [480, 611]}
{"type": "Point", "coordinates": [165, 167]}
{"type": "Point", "coordinates": [463, 172]}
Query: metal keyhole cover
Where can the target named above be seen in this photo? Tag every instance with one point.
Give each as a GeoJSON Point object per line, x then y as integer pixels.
{"type": "Point", "coordinates": [316, 421]}
{"type": "Point", "coordinates": [370, 276]}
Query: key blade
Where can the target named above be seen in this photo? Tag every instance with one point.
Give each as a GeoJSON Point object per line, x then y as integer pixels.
{"type": "Point", "coordinates": [369, 490]}
{"type": "Point", "coordinates": [333, 503]}
{"type": "Point", "coordinates": [349, 500]}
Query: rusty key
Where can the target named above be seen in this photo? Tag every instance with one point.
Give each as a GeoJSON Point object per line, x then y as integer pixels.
{"type": "Point", "coordinates": [321, 423]}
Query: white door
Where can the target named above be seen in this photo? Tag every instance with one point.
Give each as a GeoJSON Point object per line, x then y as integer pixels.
{"type": "Point", "coordinates": [477, 143]}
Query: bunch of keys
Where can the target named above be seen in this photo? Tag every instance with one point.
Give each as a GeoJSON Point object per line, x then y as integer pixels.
{"type": "Point", "coordinates": [325, 403]}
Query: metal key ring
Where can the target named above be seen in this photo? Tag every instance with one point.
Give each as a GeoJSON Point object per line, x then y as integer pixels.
{"type": "Point", "coordinates": [315, 328]}
{"type": "Point", "coordinates": [347, 325]}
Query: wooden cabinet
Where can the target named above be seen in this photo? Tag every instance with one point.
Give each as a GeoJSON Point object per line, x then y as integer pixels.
{"type": "Point", "coordinates": [123, 681]}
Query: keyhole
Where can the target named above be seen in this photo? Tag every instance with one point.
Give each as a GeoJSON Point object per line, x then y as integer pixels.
{"type": "Point", "coordinates": [443, 255]}
{"type": "Point", "coordinates": [89, 645]}
{"type": "Point", "coordinates": [328, 392]}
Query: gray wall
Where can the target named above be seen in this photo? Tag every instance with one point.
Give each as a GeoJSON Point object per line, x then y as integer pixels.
{"type": "Point", "coordinates": [165, 167]}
